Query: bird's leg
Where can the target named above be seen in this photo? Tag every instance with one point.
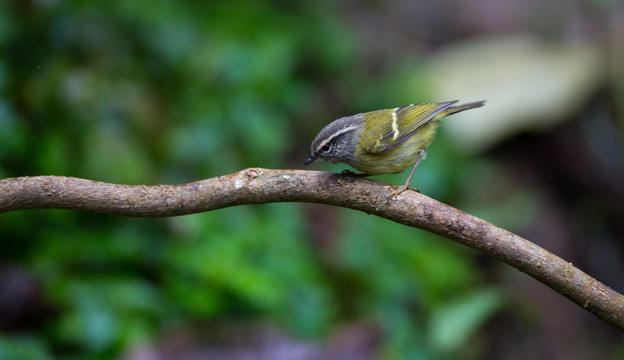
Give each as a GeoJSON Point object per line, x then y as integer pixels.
{"type": "Point", "coordinates": [421, 155]}
{"type": "Point", "coordinates": [351, 173]}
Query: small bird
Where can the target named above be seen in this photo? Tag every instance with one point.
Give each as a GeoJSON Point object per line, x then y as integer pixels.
{"type": "Point", "coordinates": [384, 141]}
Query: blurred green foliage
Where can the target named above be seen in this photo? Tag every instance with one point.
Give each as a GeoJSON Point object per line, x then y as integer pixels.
{"type": "Point", "coordinates": [148, 92]}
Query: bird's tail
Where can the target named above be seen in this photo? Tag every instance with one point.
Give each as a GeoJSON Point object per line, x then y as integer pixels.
{"type": "Point", "coordinates": [455, 109]}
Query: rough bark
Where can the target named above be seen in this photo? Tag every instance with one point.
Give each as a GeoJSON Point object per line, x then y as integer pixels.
{"type": "Point", "coordinates": [259, 186]}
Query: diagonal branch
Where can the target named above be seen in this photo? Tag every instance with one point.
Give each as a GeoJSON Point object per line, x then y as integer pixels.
{"type": "Point", "coordinates": [259, 186]}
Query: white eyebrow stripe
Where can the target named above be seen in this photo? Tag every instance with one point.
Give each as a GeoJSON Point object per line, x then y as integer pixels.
{"type": "Point", "coordinates": [337, 133]}
{"type": "Point", "coordinates": [395, 125]}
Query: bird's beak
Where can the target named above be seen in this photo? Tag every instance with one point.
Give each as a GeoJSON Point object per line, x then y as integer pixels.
{"type": "Point", "coordinates": [310, 159]}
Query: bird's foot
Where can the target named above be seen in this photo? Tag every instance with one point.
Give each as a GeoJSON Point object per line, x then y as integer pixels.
{"type": "Point", "coordinates": [398, 190]}
{"type": "Point", "coordinates": [351, 173]}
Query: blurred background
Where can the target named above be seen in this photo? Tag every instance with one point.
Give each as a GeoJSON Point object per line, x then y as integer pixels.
{"type": "Point", "coordinates": [162, 91]}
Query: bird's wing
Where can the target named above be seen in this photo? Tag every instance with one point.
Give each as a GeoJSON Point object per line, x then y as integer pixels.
{"type": "Point", "coordinates": [402, 123]}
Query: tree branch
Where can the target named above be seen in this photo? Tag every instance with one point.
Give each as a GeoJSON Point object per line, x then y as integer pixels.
{"type": "Point", "coordinates": [259, 186]}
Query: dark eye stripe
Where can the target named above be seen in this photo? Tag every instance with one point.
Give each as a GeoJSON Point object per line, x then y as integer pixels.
{"type": "Point", "coordinates": [327, 140]}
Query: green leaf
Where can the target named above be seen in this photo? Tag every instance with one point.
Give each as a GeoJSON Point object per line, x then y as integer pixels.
{"type": "Point", "coordinates": [452, 324]}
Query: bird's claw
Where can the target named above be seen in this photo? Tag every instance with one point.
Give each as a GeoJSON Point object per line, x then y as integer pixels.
{"type": "Point", "coordinates": [351, 173]}
{"type": "Point", "coordinates": [399, 190]}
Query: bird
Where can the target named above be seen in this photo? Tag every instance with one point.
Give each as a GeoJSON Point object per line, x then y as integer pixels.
{"type": "Point", "coordinates": [384, 141]}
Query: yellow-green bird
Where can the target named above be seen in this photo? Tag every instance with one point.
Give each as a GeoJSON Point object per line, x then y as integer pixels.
{"type": "Point", "coordinates": [384, 141]}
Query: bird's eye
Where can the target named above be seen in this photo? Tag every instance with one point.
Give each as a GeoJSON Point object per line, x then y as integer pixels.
{"type": "Point", "coordinates": [325, 147]}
